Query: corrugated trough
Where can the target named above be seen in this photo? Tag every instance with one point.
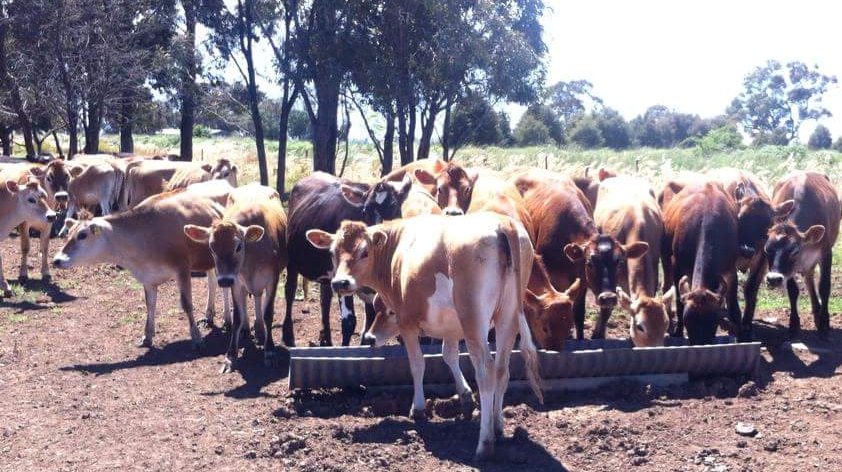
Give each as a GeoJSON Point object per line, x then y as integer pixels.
{"type": "Point", "coordinates": [582, 365]}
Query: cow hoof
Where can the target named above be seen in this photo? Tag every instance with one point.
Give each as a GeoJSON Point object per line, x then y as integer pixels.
{"type": "Point", "coordinates": [485, 451]}
{"type": "Point", "coordinates": [23, 278]}
{"type": "Point", "coordinates": [228, 366]}
{"type": "Point", "coordinates": [144, 342]}
{"type": "Point", "coordinates": [466, 405]}
{"type": "Point", "coordinates": [418, 416]}
{"type": "Point", "coordinates": [325, 341]}
{"type": "Point", "coordinates": [289, 341]}
{"type": "Point", "coordinates": [270, 358]}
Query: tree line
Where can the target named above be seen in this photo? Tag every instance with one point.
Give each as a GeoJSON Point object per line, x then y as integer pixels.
{"type": "Point", "coordinates": [425, 70]}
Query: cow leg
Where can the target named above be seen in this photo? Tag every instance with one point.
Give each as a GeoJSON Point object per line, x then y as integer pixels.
{"type": "Point", "coordinates": [349, 318]}
{"type": "Point", "coordinates": [794, 319]}
{"type": "Point", "coordinates": [579, 314]}
{"type": "Point", "coordinates": [269, 354]}
{"type": "Point", "coordinates": [45, 254]}
{"type": "Point", "coordinates": [23, 275]}
{"type": "Point", "coordinates": [5, 290]}
{"type": "Point", "coordinates": [485, 375]}
{"type": "Point", "coordinates": [815, 305]}
{"type": "Point", "coordinates": [287, 334]}
{"type": "Point", "coordinates": [237, 316]}
{"type": "Point", "coordinates": [150, 293]}
{"type": "Point", "coordinates": [450, 354]}
{"type": "Point", "coordinates": [679, 310]}
{"type": "Point", "coordinates": [416, 367]}
{"type": "Point", "coordinates": [326, 296]}
{"type": "Point", "coordinates": [601, 323]}
{"type": "Point", "coordinates": [259, 326]}
{"type": "Point", "coordinates": [186, 291]}
{"type": "Point", "coordinates": [734, 305]}
{"type": "Point", "coordinates": [752, 286]}
{"type": "Point", "coordinates": [210, 308]}
{"type": "Point", "coordinates": [824, 293]}
{"type": "Point", "coordinates": [367, 298]}
{"type": "Point", "coordinates": [105, 207]}
{"type": "Point", "coordinates": [507, 329]}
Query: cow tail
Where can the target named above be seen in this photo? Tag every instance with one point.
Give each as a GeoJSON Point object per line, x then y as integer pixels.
{"type": "Point", "coordinates": [120, 189]}
{"type": "Point", "coordinates": [527, 345]}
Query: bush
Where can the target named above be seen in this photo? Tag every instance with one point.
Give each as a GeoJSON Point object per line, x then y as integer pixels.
{"type": "Point", "coordinates": [531, 132]}
{"type": "Point", "coordinates": [837, 145]}
{"type": "Point", "coordinates": [586, 133]}
{"type": "Point", "coordinates": [299, 125]}
{"type": "Point", "coordinates": [820, 139]}
{"type": "Point", "coordinates": [614, 129]}
{"type": "Point", "coordinates": [201, 131]}
{"type": "Point", "coordinates": [778, 137]}
{"type": "Point", "coordinates": [724, 138]}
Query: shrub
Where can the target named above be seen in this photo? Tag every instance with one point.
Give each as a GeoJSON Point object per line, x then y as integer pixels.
{"type": "Point", "coordinates": [531, 132]}
{"type": "Point", "coordinates": [820, 139]}
{"type": "Point", "coordinates": [586, 133]}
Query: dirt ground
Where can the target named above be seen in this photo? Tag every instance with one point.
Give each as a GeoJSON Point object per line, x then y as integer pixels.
{"type": "Point", "coordinates": [76, 394]}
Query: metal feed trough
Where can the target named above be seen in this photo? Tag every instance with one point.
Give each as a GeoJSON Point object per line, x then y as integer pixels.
{"type": "Point", "coordinates": [582, 365]}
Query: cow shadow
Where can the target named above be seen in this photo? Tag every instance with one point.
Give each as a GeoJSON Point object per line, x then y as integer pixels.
{"type": "Point", "coordinates": [52, 293]}
{"type": "Point", "coordinates": [255, 373]}
{"type": "Point", "coordinates": [821, 358]}
{"type": "Point", "coordinates": [455, 441]}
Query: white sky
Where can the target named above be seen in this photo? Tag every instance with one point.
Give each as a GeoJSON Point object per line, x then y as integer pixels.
{"type": "Point", "coordinates": [689, 56]}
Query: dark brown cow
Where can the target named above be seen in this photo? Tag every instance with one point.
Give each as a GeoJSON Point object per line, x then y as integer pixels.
{"type": "Point", "coordinates": [569, 243]}
{"type": "Point", "coordinates": [804, 242]}
{"type": "Point", "coordinates": [322, 201]}
{"type": "Point", "coordinates": [699, 255]}
{"type": "Point", "coordinates": [755, 215]}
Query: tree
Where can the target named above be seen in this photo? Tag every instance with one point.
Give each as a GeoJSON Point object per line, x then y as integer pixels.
{"type": "Point", "coordinates": [660, 127]}
{"type": "Point", "coordinates": [775, 137]}
{"type": "Point", "coordinates": [837, 145]}
{"type": "Point", "coordinates": [474, 121]}
{"type": "Point", "coordinates": [778, 96]}
{"type": "Point", "coordinates": [547, 116]}
{"type": "Point", "coordinates": [571, 99]}
{"type": "Point", "coordinates": [820, 139]}
{"type": "Point", "coordinates": [586, 133]}
{"type": "Point", "coordinates": [613, 128]}
{"type": "Point", "coordinates": [531, 132]}
{"type": "Point", "coordinates": [299, 125]}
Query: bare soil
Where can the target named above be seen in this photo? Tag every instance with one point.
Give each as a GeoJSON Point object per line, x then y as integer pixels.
{"type": "Point", "coordinates": [76, 394]}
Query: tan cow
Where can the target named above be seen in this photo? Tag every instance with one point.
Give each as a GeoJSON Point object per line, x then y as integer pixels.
{"type": "Point", "coordinates": [249, 251]}
{"type": "Point", "coordinates": [150, 177]}
{"type": "Point", "coordinates": [626, 209]}
{"type": "Point", "coordinates": [26, 203]}
{"type": "Point", "coordinates": [223, 169]}
{"type": "Point", "coordinates": [449, 278]}
{"type": "Point", "coordinates": [95, 183]}
{"type": "Point", "coordinates": [149, 241]}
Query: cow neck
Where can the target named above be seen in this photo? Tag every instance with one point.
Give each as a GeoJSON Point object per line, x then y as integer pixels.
{"type": "Point", "coordinates": [384, 276]}
{"type": "Point", "coordinates": [701, 277]}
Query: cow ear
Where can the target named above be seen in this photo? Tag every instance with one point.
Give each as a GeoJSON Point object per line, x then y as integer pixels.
{"type": "Point", "coordinates": [320, 239]}
{"type": "Point", "coordinates": [532, 301]}
{"type": "Point", "coordinates": [814, 234]}
{"type": "Point", "coordinates": [636, 250]}
{"type": "Point", "coordinates": [234, 168]}
{"type": "Point", "coordinates": [783, 210]}
{"type": "Point", "coordinates": [353, 196]}
{"type": "Point", "coordinates": [684, 285]}
{"type": "Point", "coordinates": [603, 174]}
{"type": "Point", "coordinates": [197, 233]}
{"type": "Point", "coordinates": [624, 300]}
{"type": "Point", "coordinates": [254, 233]}
{"type": "Point", "coordinates": [574, 252]}
{"type": "Point", "coordinates": [12, 186]}
{"type": "Point", "coordinates": [740, 191]}
{"type": "Point", "coordinates": [573, 291]}
{"type": "Point", "coordinates": [668, 299]}
{"type": "Point", "coordinates": [75, 171]}
{"type": "Point", "coordinates": [424, 177]}
{"type": "Point", "coordinates": [379, 238]}
{"type": "Point", "coordinates": [403, 188]}
{"type": "Point", "coordinates": [207, 167]}
{"type": "Point", "coordinates": [37, 171]}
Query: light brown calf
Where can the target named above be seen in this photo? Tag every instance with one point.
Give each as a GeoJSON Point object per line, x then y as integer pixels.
{"type": "Point", "coordinates": [150, 177]}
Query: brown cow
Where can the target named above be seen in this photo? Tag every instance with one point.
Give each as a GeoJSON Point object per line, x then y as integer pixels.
{"type": "Point", "coordinates": [804, 242]}
{"type": "Point", "coordinates": [26, 203]}
{"type": "Point", "coordinates": [450, 278]}
{"type": "Point", "coordinates": [570, 244]}
{"type": "Point", "coordinates": [96, 184]}
{"type": "Point", "coordinates": [150, 177]}
{"type": "Point", "coordinates": [699, 255]}
{"type": "Point", "coordinates": [149, 241]}
{"type": "Point", "coordinates": [755, 215]}
{"type": "Point", "coordinates": [590, 186]}
{"type": "Point", "coordinates": [249, 251]}
{"type": "Point", "coordinates": [627, 210]}
{"type": "Point", "coordinates": [223, 169]}
{"type": "Point", "coordinates": [431, 166]}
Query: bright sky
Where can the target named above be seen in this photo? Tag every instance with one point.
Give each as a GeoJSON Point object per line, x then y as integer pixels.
{"type": "Point", "coordinates": [689, 56]}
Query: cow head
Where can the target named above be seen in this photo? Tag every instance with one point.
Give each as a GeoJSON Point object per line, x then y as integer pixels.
{"type": "Point", "coordinates": [31, 201]}
{"type": "Point", "coordinates": [604, 256]}
{"type": "Point", "coordinates": [703, 310]}
{"type": "Point", "coordinates": [452, 188]}
{"type": "Point", "coordinates": [381, 202]}
{"type": "Point", "coordinates": [650, 317]}
{"type": "Point", "coordinates": [352, 249]}
{"type": "Point", "coordinates": [385, 324]}
{"type": "Point", "coordinates": [227, 241]}
{"type": "Point", "coordinates": [224, 170]}
{"type": "Point", "coordinates": [550, 316]}
{"type": "Point", "coordinates": [55, 178]}
{"type": "Point", "coordinates": [755, 216]}
{"type": "Point", "coordinates": [86, 243]}
{"type": "Point", "coordinates": [790, 251]}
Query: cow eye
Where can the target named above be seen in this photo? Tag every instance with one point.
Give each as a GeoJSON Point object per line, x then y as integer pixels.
{"type": "Point", "coordinates": [49, 178]}
{"type": "Point", "coordinates": [239, 246]}
{"type": "Point", "coordinates": [82, 236]}
{"type": "Point", "coordinates": [32, 200]}
{"type": "Point", "coordinates": [639, 327]}
{"type": "Point", "coordinates": [364, 254]}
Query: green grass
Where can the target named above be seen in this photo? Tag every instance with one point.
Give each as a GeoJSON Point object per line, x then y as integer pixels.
{"type": "Point", "coordinates": [17, 318]}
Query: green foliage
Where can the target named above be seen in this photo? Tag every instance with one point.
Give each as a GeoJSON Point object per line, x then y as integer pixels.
{"type": "Point", "coordinates": [614, 130]}
{"type": "Point", "coordinates": [531, 132]}
{"type": "Point", "coordinates": [722, 139]}
{"type": "Point", "coordinates": [586, 133]}
{"type": "Point", "coordinates": [571, 99]}
{"type": "Point", "coordinates": [201, 131]}
{"type": "Point", "coordinates": [299, 125]}
{"type": "Point", "coordinates": [660, 127]}
{"type": "Point", "coordinates": [837, 145]}
{"type": "Point", "coordinates": [474, 121]}
{"type": "Point", "coordinates": [775, 137]}
{"type": "Point", "coordinates": [820, 139]}
{"type": "Point", "coordinates": [548, 117]}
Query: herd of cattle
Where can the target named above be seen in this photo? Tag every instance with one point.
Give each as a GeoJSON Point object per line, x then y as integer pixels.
{"type": "Point", "coordinates": [442, 250]}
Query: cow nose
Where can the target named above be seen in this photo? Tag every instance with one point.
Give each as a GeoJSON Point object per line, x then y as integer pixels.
{"type": "Point", "coordinates": [607, 299]}
{"type": "Point", "coordinates": [450, 211]}
{"type": "Point", "coordinates": [340, 285]}
{"type": "Point", "coordinates": [225, 281]}
{"type": "Point", "coordinates": [51, 216]}
{"type": "Point", "coordinates": [747, 251]}
{"type": "Point", "coordinates": [61, 197]}
{"type": "Point", "coordinates": [774, 279]}
{"type": "Point", "coordinates": [369, 339]}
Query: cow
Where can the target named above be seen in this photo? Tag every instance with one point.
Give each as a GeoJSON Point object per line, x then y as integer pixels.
{"type": "Point", "coordinates": [146, 177]}
{"type": "Point", "coordinates": [803, 242]}
{"type": "Point", "coordinates": [699, 254]}
{"type": "Point", "coordinates": [449, 278]}
{"type": "Point", "coordinates": [626, 209]}
{"type": "Point", "coordinates": [97, 183]}
{"type": "Point", "coordinates": [21, 203]}
{"type": "Point", "coordinates": [677, 183]}
{"type": "Point", "coordinates": [322, 201]}
{"type": "Point", "coordinates": [149, 242]}
{"type": "Point", "coordinates": [431, 166]}
{"type": "Point", "coordinates": [590, 186]}
{"type": "Point", "coordinates": [755, 216]}
{"type": "Point", "coordinates": [571, 245]}
{"type": "Point", "coordinates": [249, 251]}
{"type": "Point", "coordinates": [223, 169]}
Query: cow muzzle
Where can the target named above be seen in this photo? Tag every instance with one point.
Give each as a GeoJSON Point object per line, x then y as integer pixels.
{"type": "Point", "coordinates": [225, 281]}
{"type": "Point", "coordinates": [62, 197]}
{"type": "Point", "coordinates": [343, 285]}
{"type": "Point", "coordinates": [607, 300]}
{"type": "Point", "coordinates": [774, 279]}
{"type": "Point", "coordinates": [61, 261]}
{"type": "Point", "coordinates": [50, 216]}
{"type": "Point", "coordinates": [453, 211]}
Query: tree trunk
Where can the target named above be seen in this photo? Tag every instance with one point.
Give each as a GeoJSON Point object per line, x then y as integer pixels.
{"type": "Point", "coordinates": [410, 134]}
{"type": "Point", "coordinates": [445, 144]}
{"type": "Point", "coordinates": [427, 129]}
{"type": "Point", "coordinates": [283, 127]}
{"type": "Point", "coordinates": [403, 147]}
{"type": "Point", "coordinates": [6, 140]}
{"type": "Point", "coordinates": [127, 125]}
{"type": "Point", "coordinates": [58, 144]}
{"type": "Point", "coordinates": [188, 85]}
{"type": "Point", "coordinates": [73, 131]}
{"type": "Point", "coordinates": [388, 150]}
{"type": "Point", "coordinates": [92, 128]}
{"type": "Point", "coordinates": [325, 128]}
{"type": "Point", "coordinates": [256, 119]}
{"type": "Point", "coordinates": [11, 87]}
